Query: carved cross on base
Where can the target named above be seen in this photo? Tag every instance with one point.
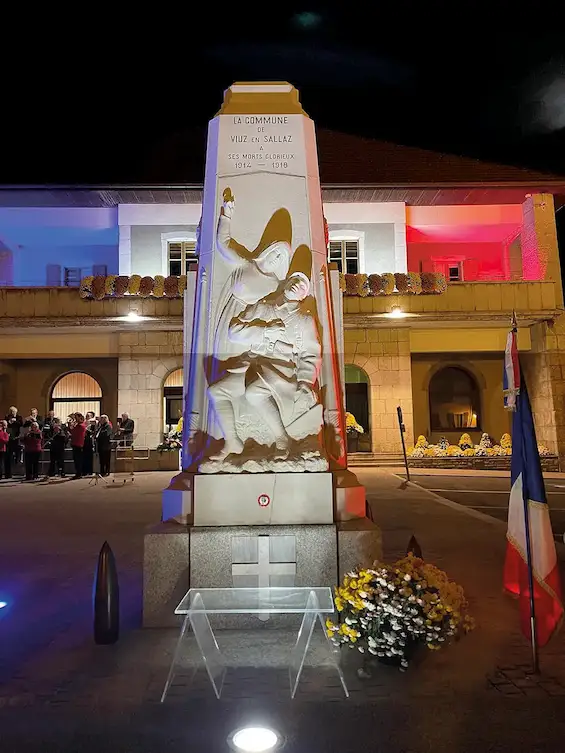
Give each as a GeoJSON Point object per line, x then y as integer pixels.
{"type": "Point", "coordinates": [258, 566]}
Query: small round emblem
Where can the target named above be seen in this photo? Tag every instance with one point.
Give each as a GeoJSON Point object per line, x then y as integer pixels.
{"type": "Point", "coordinates": [264, 500]}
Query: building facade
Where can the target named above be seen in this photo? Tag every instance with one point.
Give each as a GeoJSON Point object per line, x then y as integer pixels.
{"type": "Point", "coordinates": [490, 230]}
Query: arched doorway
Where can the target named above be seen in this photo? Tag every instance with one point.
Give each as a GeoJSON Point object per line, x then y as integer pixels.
{"type": "Point", "coordinates": [173, 400]}
{"type": "Point", "coordinates": [454, 400]}
{"type": "Point", "coordinates": [76, 392]}
{"type": "Point", "coordinates": [357, 402]}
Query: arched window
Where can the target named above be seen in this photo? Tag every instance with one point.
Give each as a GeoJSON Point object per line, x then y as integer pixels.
{"type": "Point", "coordinates": [454, 400]}
{"type": "Point", "coordinates": [76, 392]}
{"type": "Point", "coordinates": [357, 401]}
{"type": "Point", "coordinates": [172, 390]}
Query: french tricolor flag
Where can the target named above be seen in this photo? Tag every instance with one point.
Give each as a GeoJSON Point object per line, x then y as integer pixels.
{"type": "Point", "coordinates": [528, 503]}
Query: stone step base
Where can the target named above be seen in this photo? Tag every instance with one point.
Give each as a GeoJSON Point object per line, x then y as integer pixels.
{"type": "Point", "coordinates": [373, 459]}
{"type": "Point", "coordinates": [549, 463]}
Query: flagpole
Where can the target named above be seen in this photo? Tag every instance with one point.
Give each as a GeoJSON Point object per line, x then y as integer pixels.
{"type": "Point", "coordinates": [529, 557]}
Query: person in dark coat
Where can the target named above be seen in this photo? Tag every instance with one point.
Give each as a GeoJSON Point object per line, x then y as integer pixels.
{"type": "Point", "coordinates": [15, 423]}
{"type": "Point", "coordinates": [57, 445]}
{"type": "Point", "coordinates": [88, 449]}
{"type": "Point", "coordinates": [48, 425]}
{"type": "Point", "coordinates": [33, 417]}
{"type": "Point", "coordinates": [104, 445]}
{"type": "Point", "coordinates": [32, 451]}
{"type": "Point", "coordinates": [126, 427]}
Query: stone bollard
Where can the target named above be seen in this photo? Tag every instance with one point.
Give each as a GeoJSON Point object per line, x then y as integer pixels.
{"type": "Point", "coordinates": [414, 548]}
{"type": "Point", "coordinates": [106, 598]}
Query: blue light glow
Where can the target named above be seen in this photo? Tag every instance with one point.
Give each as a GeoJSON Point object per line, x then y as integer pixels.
{"type": "Point", "coordinates": [3, 604]}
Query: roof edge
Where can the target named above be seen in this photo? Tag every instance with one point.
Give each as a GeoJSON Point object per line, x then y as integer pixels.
{"type": "Point", "coordinates": [328, 186]}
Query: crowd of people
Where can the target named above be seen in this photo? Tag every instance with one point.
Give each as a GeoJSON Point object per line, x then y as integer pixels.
{"type": "Point", "coordinates": [25, 439]}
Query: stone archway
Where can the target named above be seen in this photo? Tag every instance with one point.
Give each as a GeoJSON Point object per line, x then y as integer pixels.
{"type": "Point", "coordinates": [75, 392]}
{"type": "Point", "coordinates": [454, 400]}
{"type": "Point", "coordinates": [173, 398]}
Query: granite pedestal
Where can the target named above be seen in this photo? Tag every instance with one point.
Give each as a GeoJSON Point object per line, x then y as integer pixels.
{"type": "Point", "coordinates": [166, 573]}
{"type": "Point", "coordinates": [178, 557]}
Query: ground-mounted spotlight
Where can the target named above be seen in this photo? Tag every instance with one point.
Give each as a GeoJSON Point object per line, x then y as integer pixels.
{"type": "Point", "coordinates": [255, 740]}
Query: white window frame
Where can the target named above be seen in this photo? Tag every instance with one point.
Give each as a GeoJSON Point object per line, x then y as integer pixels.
{"type": "Point", "coordinates": [459, 266]}
{"type": "Point", "coordinates": [166, 238]}
{"type": "Point", "coordinates": [351, 235]}
{"type": "Point", "coordinates": [451, 261]}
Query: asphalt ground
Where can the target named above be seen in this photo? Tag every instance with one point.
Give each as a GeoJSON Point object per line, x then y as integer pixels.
{"type": "Point", "coordinates": [61, 693]}
{"type": "Point", "coordinates": [491, 495]}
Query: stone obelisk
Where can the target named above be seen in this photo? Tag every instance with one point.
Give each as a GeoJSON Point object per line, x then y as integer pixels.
{"type": "Point", "coordinates": [264, 492]}
{"type": "Point", "coordinates": [267, 401]}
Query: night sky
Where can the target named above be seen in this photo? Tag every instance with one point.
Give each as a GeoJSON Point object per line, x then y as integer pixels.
{"type": "Point", "coordinates": [99, 97]}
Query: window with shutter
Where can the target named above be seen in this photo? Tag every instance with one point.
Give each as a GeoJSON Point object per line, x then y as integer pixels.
{"type": "Point", "coordinates": [346, 255]}
{"type": "Point", "coordinates": [454, 271]}
{"type": "Point", "coordinates": [181, 257]}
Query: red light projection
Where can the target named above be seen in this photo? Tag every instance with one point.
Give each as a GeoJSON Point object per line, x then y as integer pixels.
{"type": "Point", "coordinates": [470, 243]}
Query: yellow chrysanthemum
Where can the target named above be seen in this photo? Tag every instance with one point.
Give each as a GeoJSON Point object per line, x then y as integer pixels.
{"type": "Point", "coordinates": [159, 287]}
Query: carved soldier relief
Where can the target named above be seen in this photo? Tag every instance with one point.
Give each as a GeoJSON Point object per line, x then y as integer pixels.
{"type": "Point", "coordinates": [263, 382]}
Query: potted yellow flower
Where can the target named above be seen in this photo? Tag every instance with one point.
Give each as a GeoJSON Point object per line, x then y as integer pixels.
{"type": "Point", "coordinates": [353, 430]}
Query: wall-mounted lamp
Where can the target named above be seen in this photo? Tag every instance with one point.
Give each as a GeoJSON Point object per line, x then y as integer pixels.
{"type": "Point", "coordinates": [396, 313]}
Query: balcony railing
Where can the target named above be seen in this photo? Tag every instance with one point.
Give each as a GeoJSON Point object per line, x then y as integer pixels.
{"type": "Point", "coordinates": [537, 300]}
{"type": "Point", "coordinates": [66, 303]}
{"type": "Point", "coordinates": [475, 299]}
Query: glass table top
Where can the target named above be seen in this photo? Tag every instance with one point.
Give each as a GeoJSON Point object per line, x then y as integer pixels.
{"type": "Point", "coordinates": [257, 600]}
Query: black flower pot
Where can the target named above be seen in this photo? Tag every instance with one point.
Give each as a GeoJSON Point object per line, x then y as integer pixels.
{"type": "Point", "coordinates": [353, 442]}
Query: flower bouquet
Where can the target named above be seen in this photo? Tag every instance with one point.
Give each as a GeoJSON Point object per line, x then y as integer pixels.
{"type": "Point", "coordinates": [170, 443]}
{"type": "Point", "coordinates": [390, 610]}
{"type": "Point", "coordinates": [465, 442]}
{"type": "Point", "coordinates": [351, 425]}
{"type": "Point", "coordinates": [354, 430]}
{"type": "Point", "coordinates": [484, 445]}
{"type": "Point", "coordinates": [506, 442]}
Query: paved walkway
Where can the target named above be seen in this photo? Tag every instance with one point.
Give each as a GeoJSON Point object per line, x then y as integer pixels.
{"type": "Point", "coordinates": [476, 695]}
{"type": "Point", "coordinates": [491, 494]}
